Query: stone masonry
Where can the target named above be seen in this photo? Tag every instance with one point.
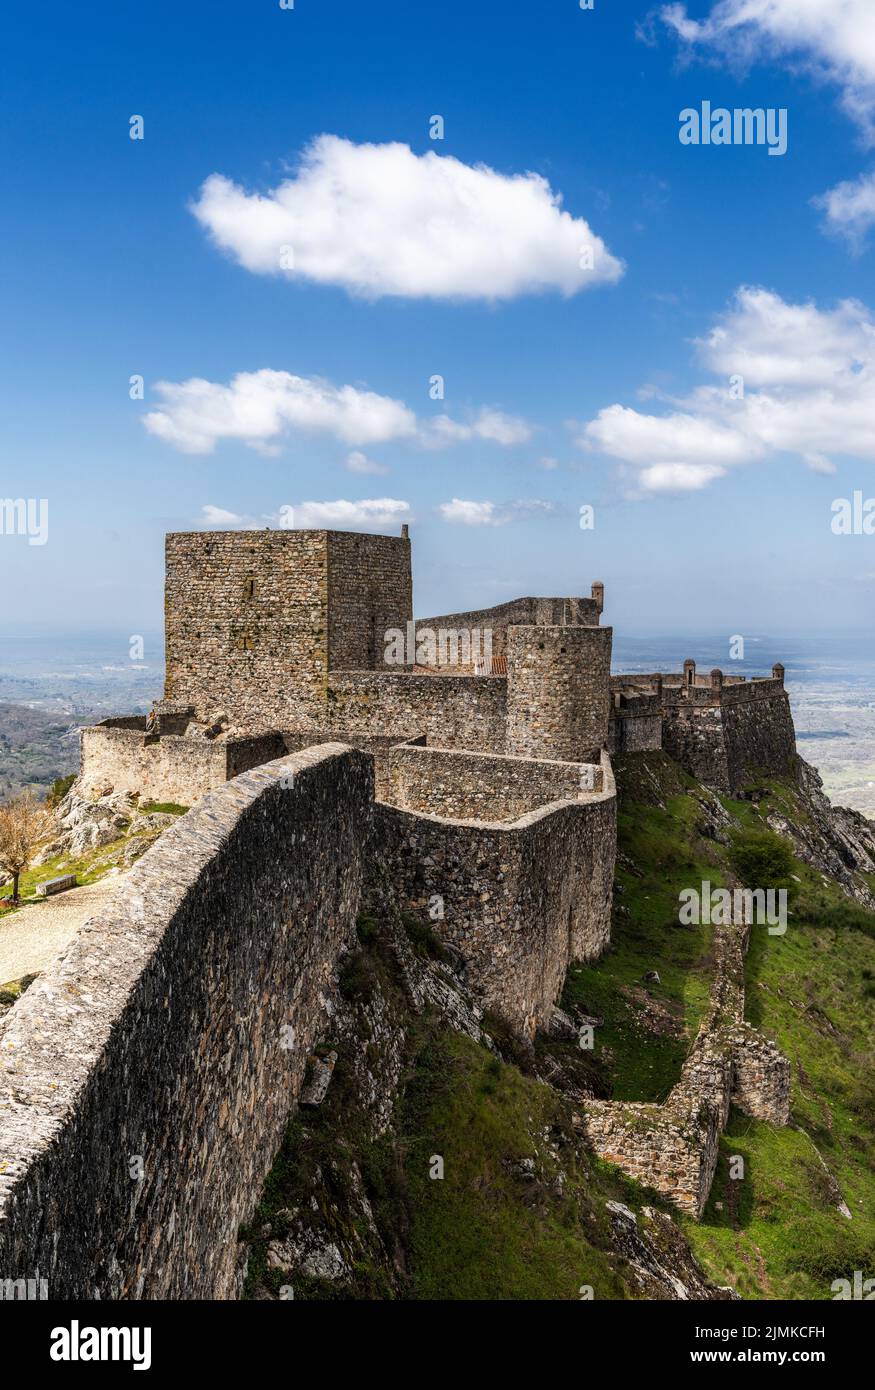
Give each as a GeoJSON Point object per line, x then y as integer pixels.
{"type": "Point", "coordinates": [673, 1147]}
{"type": "Point", "coordinates": [494, 815]}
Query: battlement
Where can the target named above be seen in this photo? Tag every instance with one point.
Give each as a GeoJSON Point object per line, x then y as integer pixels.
{"type": "Point", "coordinates": [722, 729]}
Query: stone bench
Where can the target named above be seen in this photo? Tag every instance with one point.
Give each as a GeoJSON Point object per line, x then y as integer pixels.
{"type": "Point", "coordinates": [56, 885]}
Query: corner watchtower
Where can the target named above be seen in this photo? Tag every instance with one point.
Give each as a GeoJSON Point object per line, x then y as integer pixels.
{"type": "Point", "coordinates": [558, 690]}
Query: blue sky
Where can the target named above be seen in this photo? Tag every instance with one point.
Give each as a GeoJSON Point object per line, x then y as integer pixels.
{"type": "Point", "coordinates": [709, 513]}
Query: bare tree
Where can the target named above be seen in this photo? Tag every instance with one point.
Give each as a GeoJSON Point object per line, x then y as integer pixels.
{"type": "Point", "coordinates": [24, 824]}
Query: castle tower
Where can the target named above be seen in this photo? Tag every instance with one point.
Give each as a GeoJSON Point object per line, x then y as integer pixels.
{"type": "Point", "coordinates": [558, 691]}
{"type": "Point", "coordinates": [256, 620]}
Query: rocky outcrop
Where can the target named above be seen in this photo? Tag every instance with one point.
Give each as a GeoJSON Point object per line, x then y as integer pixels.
{"type": "Point", "coordinates": [836, 841]}
{"type": "Point", "coordinates": [85, 823]}
{"type": "Point", "coordinates": [659, 1260]}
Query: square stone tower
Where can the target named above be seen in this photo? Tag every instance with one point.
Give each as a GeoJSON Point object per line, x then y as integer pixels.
{"type": "Point", "coordinates": [255, 620]}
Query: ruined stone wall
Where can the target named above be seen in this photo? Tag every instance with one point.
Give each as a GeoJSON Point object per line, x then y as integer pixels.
{"type": "Point", "coordinates": [674, 1147]}
{"type": "Point", "coordinates": [482, 786]}
{"type": "Point", "coordinates": [453, 711]}
{"type": "Point", "coordinates": [246, 625]}
{"type": "Point", "coordinates": [518, 901]}
{"type": "Point", "coordinates": [370, 591]}
{"type": "Point", "coordinates": [176, 1027]}
{"type": "Point", "coordinates": [558, 700]}
{"type": "Point", "coordinates": [169, 768]}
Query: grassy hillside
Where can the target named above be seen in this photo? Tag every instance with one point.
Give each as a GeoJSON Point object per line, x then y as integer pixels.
{"type": "Point", "coordinates": [519, 1213]}
{"type": "Point", "coordinates": [778, 1232]}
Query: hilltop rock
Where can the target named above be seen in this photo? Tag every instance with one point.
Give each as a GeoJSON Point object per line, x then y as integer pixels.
{"type": "Point", "coordinates": [85, 823]}
{"type": "Point", "coordinates": [660, 1261]}
{"type": "Point", "coordinates": [836, 841]}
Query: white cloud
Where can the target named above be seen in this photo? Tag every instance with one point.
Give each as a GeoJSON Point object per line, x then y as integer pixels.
{"type": "Point", "coordinates": [678, 477]}
{"type": "Point", "coordinates": [489, 424]}
{"type": "Point", "coordinates": [548, 464]}
{"type": "Point", "coordinates": [380, 220]}
{"type": "Point", "coordinates": [773, 343]}
{"type": "Point", "coordinates": [831, 39]}
{"type": "Point", "coordinates": [467, 513]}
{"type": "Point", "coordinates": [850, 207]}
{"type": "Point", "coordinates": [260, 408]}
{"type": "Point", "coordinates": [357, 462]}
{"type": "Point", "coordinates": [217, 516]}
{"type": "Point", "coordinates": [642, 439]}
{"type": "Point", "coordinates": [372, 513]}
{"type": "Point", "coordinates": [808, 379]}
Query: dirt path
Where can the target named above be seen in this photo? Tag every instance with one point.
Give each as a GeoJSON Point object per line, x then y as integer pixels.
{"type": "Point", "coordinates": [32, 937]}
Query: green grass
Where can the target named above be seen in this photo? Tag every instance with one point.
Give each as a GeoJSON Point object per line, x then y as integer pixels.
{"type": "Point", "coordinates": [167, 808]}
{"type": "Point", "coordinates": [777, 1233]}
{"type": "Point", "coordinates": [88, 868]}
{"type": "Point", "coordinates": [485, 1230]}
{"type": "Point", "coordinates": [660, 852]}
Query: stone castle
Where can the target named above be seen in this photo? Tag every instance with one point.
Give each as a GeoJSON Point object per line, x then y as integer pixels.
{"type": "Point", "coordinates": [472, 786]}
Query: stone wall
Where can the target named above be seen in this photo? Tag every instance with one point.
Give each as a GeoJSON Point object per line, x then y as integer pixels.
{"type": "Point", "coordinates": [726, 737]}
{"type": "Point", "coordinates": [120, 754]}
{"type": "Point", "coordinates": [519, 611]}
{"type": "Point", "coordinates": [481, 786]}
{"type": "Point", "coordinates": [674, 1147]}
{"type": "Point", "coordinates": [378, 746]}
{"type": "Point", "coordinates": [724, 730]}
{"type": "Point", "coordinates": [176, 1028]}
{"type": "Point", "coordinates": [517, 901]}
{"type": "Point", "coordinates": [758, 732]}
{"type": "Point", "coordinates": [454, 711]}
{"type": "Point", "coordinates": [635, 722]}
{"type": "Point", "coordinates": [254, 619]}
{"type": "Point", "coordinates": [558, 701]}
{"type": "Point", "coordinates": [370, 591]}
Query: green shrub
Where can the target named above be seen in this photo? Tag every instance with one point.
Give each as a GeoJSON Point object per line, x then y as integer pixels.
{"type": "Point", "coordinates": [763, 860]}
{"type": "Point", "coordinates": [58, 790]}
{"type": "Point", "coordinates": [422, 937]}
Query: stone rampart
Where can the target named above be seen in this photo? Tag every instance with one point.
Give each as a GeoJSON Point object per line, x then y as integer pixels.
{"type": "Point", "coordinates": [147, 1077]}
{"type": "Point", "coordinates": [482, 786]}
{"type": "Point", "coordinates": [518, 901]}
{"type": "Point", "coordinates": [121, 754]}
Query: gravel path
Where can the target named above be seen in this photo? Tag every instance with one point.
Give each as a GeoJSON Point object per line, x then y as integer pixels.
{"type": "Point", "coordinates": [32, 937]}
